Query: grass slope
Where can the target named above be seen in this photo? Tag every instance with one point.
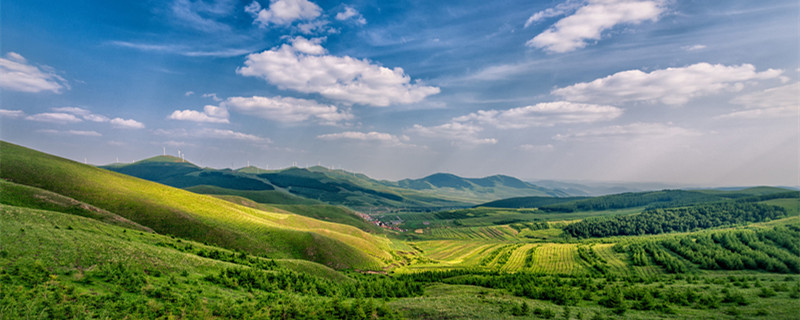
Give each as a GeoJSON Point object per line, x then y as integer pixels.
{"type": "Point", "coordinates": [178, 212]}
{"type": "Point", "coordinates": [30, 197]}
{"type": "Point", "coordinates": [323, 212]}
{"type": "Point", "coordinates": [261, 196]}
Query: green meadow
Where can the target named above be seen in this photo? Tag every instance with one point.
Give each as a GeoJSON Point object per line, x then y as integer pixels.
{"type": "Point", "coordinates": [77, 241]}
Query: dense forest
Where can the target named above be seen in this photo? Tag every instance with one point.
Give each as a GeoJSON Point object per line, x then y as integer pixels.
{"type": "Point", "coordinates": [655, 221]}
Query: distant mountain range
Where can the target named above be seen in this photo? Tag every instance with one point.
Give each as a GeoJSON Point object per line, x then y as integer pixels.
{"type": "Point", "coordinates": [319, 184]}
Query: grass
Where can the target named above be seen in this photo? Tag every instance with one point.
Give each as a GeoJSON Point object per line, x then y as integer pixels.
{"type": "Point", "coordinates": [58, 265]}
{"type": "Point", "coordinates": [261, 196]}
{"type": "Point", "coordinates": [181, 213]}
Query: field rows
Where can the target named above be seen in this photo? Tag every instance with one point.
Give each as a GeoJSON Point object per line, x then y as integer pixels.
{"type": "Point", "coordinates": [474, 233]}
{"type": "Point", "coordinates": [612, 259]}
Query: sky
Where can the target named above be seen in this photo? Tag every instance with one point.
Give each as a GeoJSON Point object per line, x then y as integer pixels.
{"type": "Point", "coordinates": [683, 92]}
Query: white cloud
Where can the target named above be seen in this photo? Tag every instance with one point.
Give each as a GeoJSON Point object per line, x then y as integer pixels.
{"type": "Point", "coordinates": [670, 86]}
{"type": "Point", "coordinates": [589, 22]}
{"type": "Point", "coordinates": [202, 15]}
{"type": "Point", "coordinates": [543, 115]}
{"type": "Point", "coordinates": [11, 113]}
{"type": "Point", "coordinates": [455, 132]}
{"type": "Point", "coordinates": [345, 79]}
{"type": "Point", "coordinates": [126, 123]}
{"type": "Point", "coordinates": [308, 46]}
{"type": "Point", "coordinates": [694, 47]}
{"type": "Point", "coordinates": [230, 134]}
{"type": "Point", "coordinates": [778, 102]}
{"type": "Point", "coordinates": [351, 13]}
{"type": "Point", "coordinates": [559, 10]}
{"type": "Point", "coordinates": [96, 118]}
{"type": "Point", "coordinates": [84, 133]}
{"type": "Point", "coordinates": [72, 132]}
{"type": "Point", "coordinates": [188, 93]}
{"type": "Point", "coordinates": [17, 74]}
{"type": "Point", "coordinates": [213, 96]}
{"type": "Point", "coordinates": [287, 109]}
{"type": "Point", "coordinates": [210, 113]}
{"type": "Point", "coordinates": [283, 12]}
{"type": "Point", "coordinates": [208, 133]}
{"type": "Point", "coordinates": [73, 110]}
{"type": "Point", "coordinates": [629, 131]}
{"type": "Point", "coordinates": [54, 117]}
{"type": "Point", "coordinates": [536, 147]}
{"type": "Point", "coordinates": [384, 138]}
{"type": "Point", "coordinates": [181, 50]}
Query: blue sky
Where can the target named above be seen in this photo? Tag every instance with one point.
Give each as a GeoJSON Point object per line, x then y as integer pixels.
{"type": "Point", "coordinates": [684, 92]}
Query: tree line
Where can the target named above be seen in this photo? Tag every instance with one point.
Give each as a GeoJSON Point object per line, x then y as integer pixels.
{"type": "Point", "coordinates": [655, 221]}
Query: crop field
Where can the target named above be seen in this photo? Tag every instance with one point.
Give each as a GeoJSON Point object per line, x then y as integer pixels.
{"type": "Point", "coordinates": [613, 260]}
{"type": "Point", "coordinates": [556, 258]}
{"type": "Point", "coordinates": [473, 233]}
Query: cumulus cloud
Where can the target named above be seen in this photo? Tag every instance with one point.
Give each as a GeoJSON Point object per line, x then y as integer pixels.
{"type": "Point", "coordinates": [669, 86]}
{"type": "Point", "coordinates": [455, 132]}
{"type": "Point", "coordinates": [54, 117]}
{"type": "Point", "coordinates": [283, 12]}
{"type": "Point", "coordinates": [212, 114]}
{"type": "Point", "coordinates": [628, 131]}
{"type": "Point", "coordinates": [16, 74]}
{"type": "Point", "coordinates": [778, 102]}
{"type": "Point", "coordinates": [383, 138]}
{"type": "Point", "coordinates": [4, 113]}
{"type": "Point", "coordinates": [589, 21]}
{"type": "Point", "coordinates": [287, 109]}
{"type": "Point", "coordinates": [351, 13]}
{"type": "Point", "coordinates": [126, 123]}
{"type": "Point", "coordinates": [302, 66]}
{"type": "Point", "coordinates": [543, 115]}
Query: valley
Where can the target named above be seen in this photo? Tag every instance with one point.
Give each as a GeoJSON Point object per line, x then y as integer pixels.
{"type": "Point", "coordinates": [164, 238]}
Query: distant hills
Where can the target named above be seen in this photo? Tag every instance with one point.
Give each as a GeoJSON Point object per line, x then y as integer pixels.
{"type": "Point", "coordinates": [651, 199]}
{"type": "Point", "coordinates": [338, 187]}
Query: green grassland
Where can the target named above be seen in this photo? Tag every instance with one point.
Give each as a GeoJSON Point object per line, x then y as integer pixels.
{"type": "Point", "coordinates": [261, 196]}
{"type": "Point", "coordinates": [81, 242]}
{"type": "Point", "coordinates": [188, 215]}
{"type": "Point", "coordinates": [57, 265]}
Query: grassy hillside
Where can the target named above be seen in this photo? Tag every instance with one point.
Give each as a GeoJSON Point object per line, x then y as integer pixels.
{"type": "Point", "coordinates": [61, 266]}
{"type": "Point", "coordinates": [29, 197]}
{"type": "Point", "coordinates": [324, 212]}
{"type": "Point", "coordinates": [173, 211]}
{"type": "Point", "coordinates": [261, 196]}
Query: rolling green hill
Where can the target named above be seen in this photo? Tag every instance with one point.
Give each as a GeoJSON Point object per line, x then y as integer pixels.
{"type": "Point", "coordinates": [336, 187]}
{"type": "Point", "coordinates": [168, 210]}
{"type": "Point", "coordinates": [472, 189]}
